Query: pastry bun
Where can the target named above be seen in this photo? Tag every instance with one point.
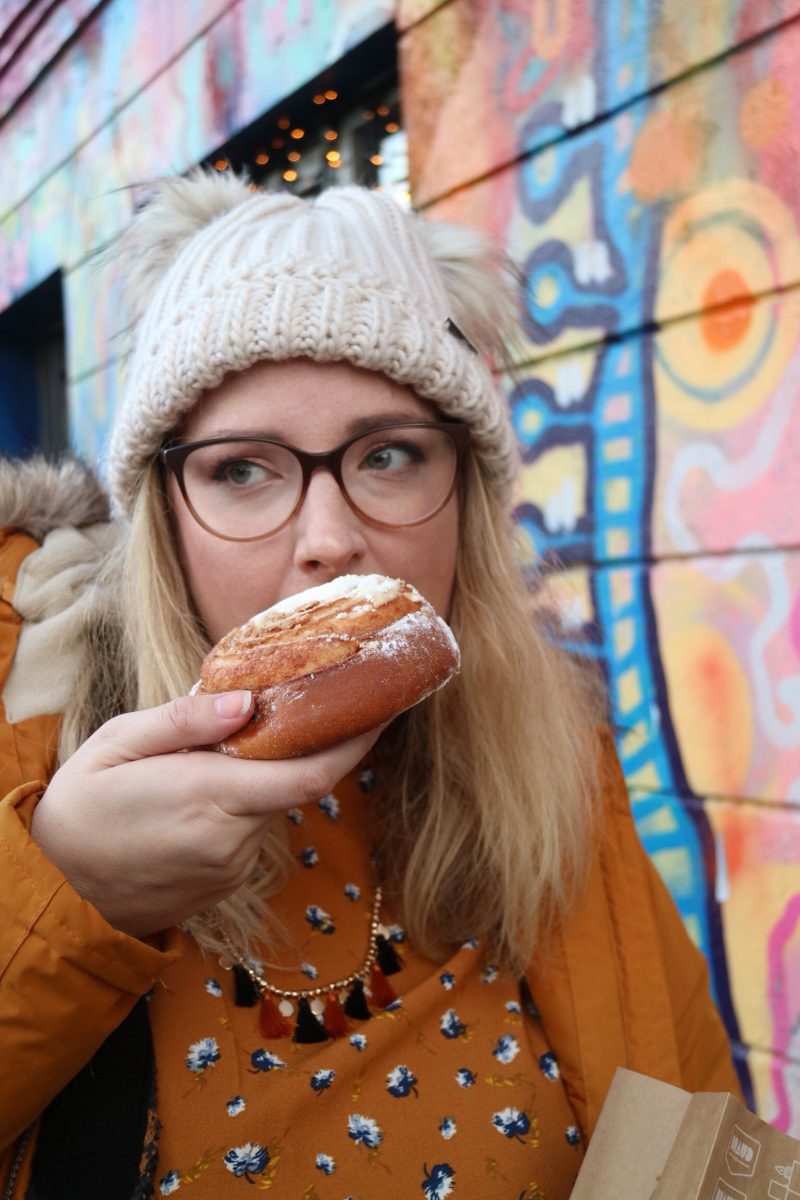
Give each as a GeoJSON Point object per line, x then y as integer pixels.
{"type": "Point", "coordinates": [330, 663]}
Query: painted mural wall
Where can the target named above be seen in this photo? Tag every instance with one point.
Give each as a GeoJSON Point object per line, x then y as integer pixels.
{"type": "Point", "coordinates": [638, 158]}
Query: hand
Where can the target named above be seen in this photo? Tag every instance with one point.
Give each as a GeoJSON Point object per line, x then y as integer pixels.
{"type": "Point", "coordinates": [152, 836]}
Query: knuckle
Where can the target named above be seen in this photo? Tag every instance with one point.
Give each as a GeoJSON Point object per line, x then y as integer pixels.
{"type": "Point", "coordinates": [178, 714]}
{"type": "Point", "coordinates": [314, 781]}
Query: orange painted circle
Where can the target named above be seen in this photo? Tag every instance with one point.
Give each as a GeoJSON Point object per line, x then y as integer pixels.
{"type": "Point", "coordinates": [727, 310]}
{"type": "Point", "coordinates": [665, 157]}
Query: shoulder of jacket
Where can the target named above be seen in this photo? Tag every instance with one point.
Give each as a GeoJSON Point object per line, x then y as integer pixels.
{"type": "Point", "coordinates": [37, 496]}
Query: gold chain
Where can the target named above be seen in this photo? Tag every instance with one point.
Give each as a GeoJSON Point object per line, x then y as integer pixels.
{"type": "Point", "coordinates": [338, 985]}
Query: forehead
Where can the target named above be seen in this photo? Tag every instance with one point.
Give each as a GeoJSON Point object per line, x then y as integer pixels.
{"type": "Point", "coordinates": [303, 401]}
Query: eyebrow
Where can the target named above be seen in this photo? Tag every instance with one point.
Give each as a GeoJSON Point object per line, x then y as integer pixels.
{"type": "Point", "coordinates": [352, 428]}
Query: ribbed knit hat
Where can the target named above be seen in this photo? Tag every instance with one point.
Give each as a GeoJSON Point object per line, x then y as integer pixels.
{"type": "Point", "coordinates": [220, 277]}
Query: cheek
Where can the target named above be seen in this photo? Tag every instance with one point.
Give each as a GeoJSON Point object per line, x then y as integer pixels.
{"type": "Point", "coordinates": [426, 558]}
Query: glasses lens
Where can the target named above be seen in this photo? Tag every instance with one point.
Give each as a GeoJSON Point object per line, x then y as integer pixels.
{"type": "Point", "coordinates": [400, 475]}
{"type": "Point", "coordinates": [242, 489]}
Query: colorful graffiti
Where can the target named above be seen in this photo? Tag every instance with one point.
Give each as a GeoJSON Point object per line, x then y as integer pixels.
{"type": "Point", "coordinates": [638, 161]}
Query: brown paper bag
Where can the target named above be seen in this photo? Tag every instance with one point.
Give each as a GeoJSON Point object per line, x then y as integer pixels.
{"type": "Point", "coordinates": [656, 1142]}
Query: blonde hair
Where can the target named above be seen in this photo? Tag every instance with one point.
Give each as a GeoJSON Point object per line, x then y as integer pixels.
{"type": "Point", "coordinates": [486, 813]}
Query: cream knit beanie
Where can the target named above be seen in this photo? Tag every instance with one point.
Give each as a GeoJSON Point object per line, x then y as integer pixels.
{"type": "Point", "coordinates": [220, 277]}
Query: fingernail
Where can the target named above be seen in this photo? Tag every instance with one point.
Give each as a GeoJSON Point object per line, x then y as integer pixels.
{"type": "Point", "coordinates": [232, 704]}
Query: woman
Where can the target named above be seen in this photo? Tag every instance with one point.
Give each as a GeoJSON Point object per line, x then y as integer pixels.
{"type": "Point", "coordinates": [480, 848]}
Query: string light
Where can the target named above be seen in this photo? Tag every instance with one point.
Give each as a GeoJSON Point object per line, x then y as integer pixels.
{"type": "Point", "coordinates": [333, 157]}
{"type": "Point", "coordinates": [221, 164]}
{"type": "Point", "coordinates": [262, 159]}
{"type": "Point", "coordinates": [277, 143]}
{"type": "Point", "coordinates": [319, 98]}
{"type": "Point", "coordinates": [283, 122]}
{"type": "Point", "coordinates": [391, 127]}
{"type": "Point", "coordinates": [331, 95]}
{"type": "Point", "coordinates": [294, 156]}
{"type": "Point", "coordinates": [298, 133]}
{"type": "Point", "coordinates": [376, 160]}
{"type": "Point", "coordinates": [330, 135]}
{"type": "Point", "coordinates": [290, 175]}
{"type": "Point", "coordinates": [382, 110]}
{"type": "Point", "coordinates": [369, 115]}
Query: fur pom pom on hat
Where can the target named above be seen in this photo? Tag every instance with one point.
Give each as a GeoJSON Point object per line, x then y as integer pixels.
{"type": "Point", "coordinates": [219, 277]}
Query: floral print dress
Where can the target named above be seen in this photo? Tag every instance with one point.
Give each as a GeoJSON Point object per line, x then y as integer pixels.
{"type": "Point", "coordinates": [451, 1090]}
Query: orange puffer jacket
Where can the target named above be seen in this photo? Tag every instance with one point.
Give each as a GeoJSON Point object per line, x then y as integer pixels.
{"type": "Point", "coordinates": [621, 985]}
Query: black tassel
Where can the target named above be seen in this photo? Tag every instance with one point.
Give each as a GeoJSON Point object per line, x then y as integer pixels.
{"type": "Point", "coordinates": [389, 960]}
{"type": "Point", "coordinates": [356, 1003]}
{"type": "Point", "coordinates": [308, 1028]}
{"type": "Point", "coordinates": [246, 994]}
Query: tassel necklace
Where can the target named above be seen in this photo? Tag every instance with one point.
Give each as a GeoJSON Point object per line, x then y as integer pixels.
{"type": "Point", "coordinates": [322, 1012]}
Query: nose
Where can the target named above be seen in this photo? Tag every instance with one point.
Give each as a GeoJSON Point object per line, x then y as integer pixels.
{"type": "Point", "coordinates": [329, 536]}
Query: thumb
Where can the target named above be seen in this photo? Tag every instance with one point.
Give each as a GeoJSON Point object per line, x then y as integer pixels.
{"type": "Point", "coordinates": [182, 724]}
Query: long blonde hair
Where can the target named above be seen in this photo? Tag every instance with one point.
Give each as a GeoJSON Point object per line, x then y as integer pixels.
{"type": "Point", "coordinates": [486, 815]}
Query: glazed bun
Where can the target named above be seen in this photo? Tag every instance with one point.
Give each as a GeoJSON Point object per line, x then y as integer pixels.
{"type": "Point", "coordinates": [330, 663]}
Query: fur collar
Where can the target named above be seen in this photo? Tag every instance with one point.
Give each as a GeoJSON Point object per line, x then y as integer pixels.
{"type": "Point", "coordinates": [39, 496]}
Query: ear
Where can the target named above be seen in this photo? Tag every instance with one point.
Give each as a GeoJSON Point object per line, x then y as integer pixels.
{"type": "Point", "coordinates": [178, 208]}
{"type": "Point", "coordinates": [482, 286]}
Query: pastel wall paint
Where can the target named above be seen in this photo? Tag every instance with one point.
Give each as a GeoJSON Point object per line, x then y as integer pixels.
{"type": "Point", "coordinates": [144, 89]}
{"type": "Point", "coordinates": [639, 161]}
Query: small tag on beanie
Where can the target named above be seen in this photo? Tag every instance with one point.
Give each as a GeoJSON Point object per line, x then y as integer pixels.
{"type": "Point", "coordinates": [452, 328]}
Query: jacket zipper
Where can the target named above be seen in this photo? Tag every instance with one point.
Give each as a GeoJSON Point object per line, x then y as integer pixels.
{"type": "Point", "coordinates": [18, 1157]}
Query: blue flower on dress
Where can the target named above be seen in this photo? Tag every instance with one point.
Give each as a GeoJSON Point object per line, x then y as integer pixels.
{"type": "Point", "coordinates": [325, 1163]}
{"type": "Point", "coordinates": [295, 815]}
{"type": "Point", "coordinates": [513, 1006]}
{"type": "Point", "coordinates": [263, 1060]}
{"type": "Point", "coordinates": [367, 778]}
{"type": "Point", "coordinates": [394, 1005]}
{"type": "Point", "coordinates": [213, 988]}
{"type": "Point", "coordinates": [464, 1077]}
{"type": "Point", "coordinates": [396, 934]}
{"type": "Point", "coordinates": [330, 806]}
{"type": "Point", "coordinates": [236, 1105]}
{"type": "Point", "coordinates": [364, 1130]}
{"type": "Point", "coordinates": [507, 1048]}
{"type": "Point", "coordinates": [438, 1182]}
{"type": "Point", "coordinates": [249, 1159]}
{"type": "Point", "coordinates": [170, 1183]}
{"type": "Point", "coordinates": [448, 980]}
{"type": "Point", "coordinates": [202, 1054]}
{"type": "Point", "coordinates": [450, 1025]}
{"type": "Point", "coordinates": [309, 970]}
{"type": "Point", "coordinates": [321, 1080]}
{"type": "Point", "coordinates": [352, 891]}
{"type": "Point", "coordinates": [309, 857]}
{"type": "Point", "coordinates": [572, 1134]}
{"type": "Point", "coordinates": [549, 1067]}
{"type": "Point", "coordinates": [358, 1040]}
{"type": "Point", "coordinates": [319, 919]}
{"type": "Point", "coordinates": [489, 973]}
{"type": "Point", "coordinates": [512, 1123]}
{"type": "Point", "coordinates": [470, 944]}
{"type": "Point", "coordinates": [447, 1128]}
{"type": "Point", "coordinates": [401, 1081]}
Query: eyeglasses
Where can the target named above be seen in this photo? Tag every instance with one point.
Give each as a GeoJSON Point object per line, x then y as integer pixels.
{"type": "Point", "coordinates": [246, 488]}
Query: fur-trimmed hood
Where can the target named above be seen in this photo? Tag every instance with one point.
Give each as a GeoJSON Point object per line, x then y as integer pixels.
{"type": "Point", "coordinates": [64, 508]}
{"type": "Point", "coordinates": [38, 496]}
